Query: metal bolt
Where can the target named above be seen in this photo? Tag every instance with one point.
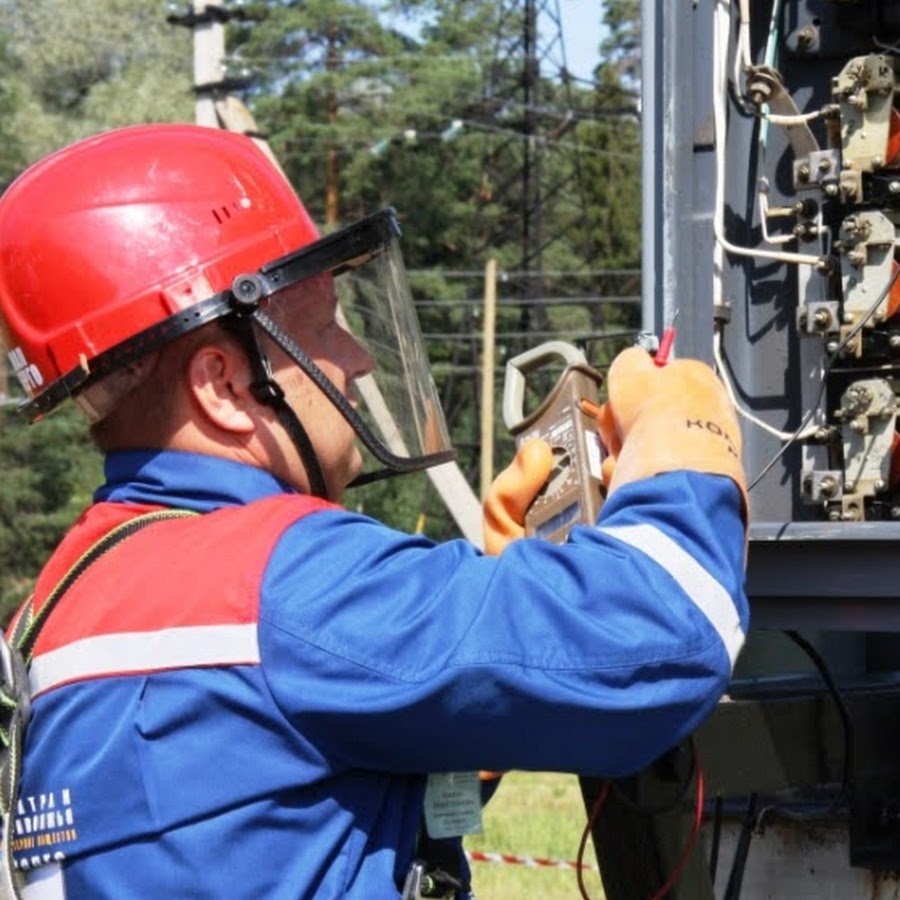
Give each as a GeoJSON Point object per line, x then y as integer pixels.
{"type": "Point", "coordinates": [895, 512]}
{"type": "Point", "coordinates": [894, 341]}
{"type": "Point", "coordinates": [834, 515]}
{"type": "Point", "coordinates": [831, 190]}
{"type": "Point", "coordinates": [822, 318]}
{"type": "Point", "coordinates": [894, 186]}
{"type": "Point", "coordinates": [806, 37]}
{"type": "Point", "coordinates": [828, 486]}
{"type": "Point", "coordinates": [879, 486]}
{"type": "Point", "coordinates": [803, 172]}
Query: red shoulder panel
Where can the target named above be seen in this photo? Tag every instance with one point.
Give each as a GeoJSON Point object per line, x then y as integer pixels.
{"type": "Point", "coordinates": [202, 570]}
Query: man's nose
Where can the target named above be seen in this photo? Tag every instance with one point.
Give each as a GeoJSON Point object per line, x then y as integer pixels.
{"type": "Point", "coordinates": [362, 362]}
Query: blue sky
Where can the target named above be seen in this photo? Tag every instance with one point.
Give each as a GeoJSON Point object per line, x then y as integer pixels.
{"type": "Point", "coordinates": [581, 33]}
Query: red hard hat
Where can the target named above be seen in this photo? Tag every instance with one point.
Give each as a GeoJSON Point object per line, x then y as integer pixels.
{"type": "Point", "coordinates": [116, 234]}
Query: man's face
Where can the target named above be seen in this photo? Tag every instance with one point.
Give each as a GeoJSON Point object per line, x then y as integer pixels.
{"type": "Point", "coordinates": [307, 312]}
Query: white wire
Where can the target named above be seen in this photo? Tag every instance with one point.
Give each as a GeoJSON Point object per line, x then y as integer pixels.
{"type": "Point", "coordinates": [764, 216]}
{"type": "Point", "coordinates": [721, 32]}
{"type": "Point", "coordinates": [744, 63]}
{"type": "Point", "coordinates": [745, 413]}
{"type": "Point", "coordinates": [742, 60]}
{"type": "Point", "coordinates": [891, 48]}
{"type": "Point", "coordinates": [765, 213]}
{"type": "Point", "coordinates": [799, 119]}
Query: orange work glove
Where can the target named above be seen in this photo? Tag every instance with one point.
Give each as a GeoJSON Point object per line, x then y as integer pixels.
{"type": "Point", "coordinates": [665, 418]}
{"type": "Point", "coordinates": [512, 492]}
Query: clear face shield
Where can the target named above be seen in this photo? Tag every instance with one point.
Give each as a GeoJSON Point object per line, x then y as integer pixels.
{"type": "Point", "coordinates": [400, 421]}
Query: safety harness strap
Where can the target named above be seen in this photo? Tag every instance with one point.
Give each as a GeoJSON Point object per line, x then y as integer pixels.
{"type": "Point", "coordinates": [15, 702]}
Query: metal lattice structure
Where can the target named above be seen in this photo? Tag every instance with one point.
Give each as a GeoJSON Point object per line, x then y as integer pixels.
{"type": "Point", "coordinates": [526, 111]}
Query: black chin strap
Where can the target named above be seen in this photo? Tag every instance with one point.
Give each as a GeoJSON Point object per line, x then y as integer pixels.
{"type": "Point", "coordinates": [266, 390]}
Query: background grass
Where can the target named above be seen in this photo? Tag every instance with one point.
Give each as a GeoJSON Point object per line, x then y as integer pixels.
{"type": "Point", "coordinates": [538, 815]}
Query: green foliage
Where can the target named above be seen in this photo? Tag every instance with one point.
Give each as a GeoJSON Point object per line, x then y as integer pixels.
{"type": "Point", "coordinates": [408, 503]}
{"type": "Point", "coordinates": [47, 473]}
{"type": "Point", "coordinates": [621, 49]}
{"type": "Point", "coordinates": [11, 150]}
{"type": "Point", "coordinates": [79, 68]}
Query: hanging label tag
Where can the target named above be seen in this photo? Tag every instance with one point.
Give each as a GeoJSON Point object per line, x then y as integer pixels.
{"type": "Point", "coordinates": [453, 804]}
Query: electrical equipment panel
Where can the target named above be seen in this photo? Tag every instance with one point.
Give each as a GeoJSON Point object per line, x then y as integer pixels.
{"type": "Point", "coordinates": [771, 172]}
{"type": "Point", "coordinates": [806, 110]}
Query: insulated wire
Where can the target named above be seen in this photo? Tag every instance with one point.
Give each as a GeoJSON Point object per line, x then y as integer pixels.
{"type": "Point", "coordinates": [846, 721]}
{"type": "Point", "coordinates": [585, 834]}
{"type": "Point", "coordinates": [739, 863]}
{"type": "Point", "coordinates": [742, 60]}
{"type": "Point", "coordinates": [697, 822]}
{"type": "Point", "coordinates": [722, 28]}
{"type": "Point", "coordinates": [889, 48]}
{"type": "Point", "coordinates": [802, 433]}
{"type": "Point", "coordinates": [771, 62]}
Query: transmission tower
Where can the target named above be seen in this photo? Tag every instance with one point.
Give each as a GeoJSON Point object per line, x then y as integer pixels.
{"type": "Point", "coordinates": [529, 196]}
{"type": "Point", "coordinates": [527, 116]}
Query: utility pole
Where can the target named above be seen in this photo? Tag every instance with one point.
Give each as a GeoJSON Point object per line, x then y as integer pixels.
{"type": "Point", "coordinates": [216, 104]}
{"type": "Point", "coordinates": [487, 376]}
{"type": "Point", "coordinates": [206, 19]}
{"type": "Point", "coordinates": [209, 55]}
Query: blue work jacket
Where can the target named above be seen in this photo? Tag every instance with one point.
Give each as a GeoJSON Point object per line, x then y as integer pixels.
{"type": "Point", "coordinates": [246, 703]}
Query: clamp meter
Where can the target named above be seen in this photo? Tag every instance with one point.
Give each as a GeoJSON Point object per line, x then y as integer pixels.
{"type": "Point", "coordinates": [574, 491]}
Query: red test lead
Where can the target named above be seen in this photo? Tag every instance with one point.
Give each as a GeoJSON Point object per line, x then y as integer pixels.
{"type": "Point", "coordinates": [661, 357]}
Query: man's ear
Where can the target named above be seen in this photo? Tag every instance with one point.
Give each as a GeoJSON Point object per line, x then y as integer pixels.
{"type": "Point", "coordinates": [219, 380]}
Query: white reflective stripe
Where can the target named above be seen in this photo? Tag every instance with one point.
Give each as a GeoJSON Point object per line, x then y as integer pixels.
{"type": "Point", "coordinates": [709, 596]}
{"type": "Point", "coordinates": [146, 651]}
{"type": "Point", "coordinates": [45, 883]}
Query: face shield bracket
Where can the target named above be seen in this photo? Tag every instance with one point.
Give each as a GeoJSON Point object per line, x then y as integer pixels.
{"type": "Point", "coordinates": [335, 254]}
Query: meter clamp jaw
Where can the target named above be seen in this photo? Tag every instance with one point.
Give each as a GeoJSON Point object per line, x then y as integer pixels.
{"type": "Point", "coordinates": [574, 491]}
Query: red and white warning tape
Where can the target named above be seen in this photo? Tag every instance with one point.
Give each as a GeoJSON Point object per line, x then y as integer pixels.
{"type": "Point", "coordinates": [534, 861]}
